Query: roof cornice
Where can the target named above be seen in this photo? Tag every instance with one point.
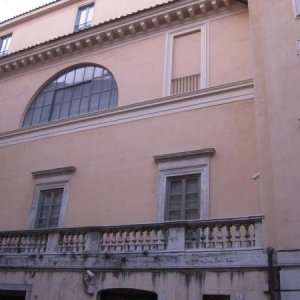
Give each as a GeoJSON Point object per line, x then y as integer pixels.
{"type": "Point", "coordinates": [149, 20]}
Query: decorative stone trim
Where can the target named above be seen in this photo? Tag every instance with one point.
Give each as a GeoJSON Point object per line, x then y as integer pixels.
{"type": "Point", "coordinates": [185, 155]}
{"type": "Point", "coordinates": [54, 172]}
{"type": "Point", "coordinates": [103, 34]}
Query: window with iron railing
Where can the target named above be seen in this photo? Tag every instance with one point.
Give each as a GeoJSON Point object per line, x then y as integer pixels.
{"type": "Point", "coordinates": [84, 17]}
{"type": "Point", "coordinates": [4, 44]}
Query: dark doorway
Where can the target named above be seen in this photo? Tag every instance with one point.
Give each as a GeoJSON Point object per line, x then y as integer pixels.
{"type": "Point", "coordinates": [12, 295]}
{"type": "Point", "coordinates": [127, 294]}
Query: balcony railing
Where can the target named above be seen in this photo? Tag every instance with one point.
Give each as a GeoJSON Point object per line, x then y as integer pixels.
{"type": "Point", "coordinates": [208, 235]}
{"type": "Point", "coordinates": [185, 84]}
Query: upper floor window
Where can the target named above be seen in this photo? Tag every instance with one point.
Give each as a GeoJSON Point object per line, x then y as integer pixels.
{"type": "Point", "coordinates": [183, 185]}
{"type": "Point", "coordinates": [78, 91]}
{"type": "Point", "coordinates": [4, 44]}
{"type": "Point", "coordinates": [84, 17]}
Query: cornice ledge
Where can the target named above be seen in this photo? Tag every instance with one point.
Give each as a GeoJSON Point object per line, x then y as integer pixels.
{"type": "Point", "coordinates": [104, 34]}
{"type": "Point", "coordinates": [54, 172]}
{"type": "Point", "coordinates": [225, 88]}
{"type": "Point", "coordinates": [184, 155]}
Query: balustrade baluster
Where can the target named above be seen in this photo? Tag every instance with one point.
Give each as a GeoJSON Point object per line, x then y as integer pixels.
{"type": "Point", "coordinates": [154, 245]}
{"type": "Point", "coordinates": [147, 240]}
{"type": "Point", "coordinates": [219, 243]}
{"type": "Point", "coordinates": [140, 245]}
{"type": "Point", "coordinates": [127, 240]}
{"type": "Point", "coordinates": [247, 241]}
{"type": "Point", "coordinates": [133, 240]}
{"type": "Point", "coordinates": [238, 242]}
{"type": "Point", "coordinates": [210, 243]}
{"type": "Point", "coordinates": [202, 237]}
{"type": "Point", "coordinates": [228, 236]}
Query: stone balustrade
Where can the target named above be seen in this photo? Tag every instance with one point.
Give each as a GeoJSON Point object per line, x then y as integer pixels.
{"type": "Point", "coordinates": [198, 235]}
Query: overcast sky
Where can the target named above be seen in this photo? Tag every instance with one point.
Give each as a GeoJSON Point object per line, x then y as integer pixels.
{"type": "Point", "coordinates": [11, 8]}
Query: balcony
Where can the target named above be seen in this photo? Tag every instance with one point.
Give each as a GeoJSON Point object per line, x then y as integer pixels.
{"type": "Point", "coordinates": [185, 84]}
{"type": "Point", "coordinates": [212, 243]}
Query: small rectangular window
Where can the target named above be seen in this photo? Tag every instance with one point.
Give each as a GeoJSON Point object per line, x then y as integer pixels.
{"type": "Point", "coordinates": [4, 44]}
{"type": "Point", "coordinates": [84, 17]}
{"type": "Point", "coordinates": [216, 297]}
{"type": "Point", "coordinates": [48, 210]}
{"type": "Point", "coordinates": [183, 197]}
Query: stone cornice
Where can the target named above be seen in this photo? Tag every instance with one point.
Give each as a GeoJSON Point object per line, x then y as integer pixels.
{"type": "Point", "coordinates": [149, 20]}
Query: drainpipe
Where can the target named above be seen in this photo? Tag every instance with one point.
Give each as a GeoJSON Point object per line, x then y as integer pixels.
{"type": "Point", "coordinates": [271, 273]}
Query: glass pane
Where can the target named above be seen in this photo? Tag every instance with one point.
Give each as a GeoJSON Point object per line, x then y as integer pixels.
{"type": "Point", "coordinates": [55, 211]}
{"type": "Point", "coordinates": [74, 107]}
{"type": "Point", "coordinates": [65, 109]}
{"type": "Point", "coordinates": [49, 98]}
{"type": "Point", "coordinates": [44, 213]}
{"type": "Point", "coordinates": [59, 95]}
{"type": "Point", "coordinates": [89, 73]}
{"type": "Point", "coordinates": [45, 114]}
{"type": "Point", "coordinates": [192, 214]}
{"type": "Point", "coordinates": [90, 14]}
{"type": "Point", "coordinates": [79, 75]}
{"type": "Point", "coordinates": [53, 223]}
{"type": "Point", "coordinates": [60, 82]}
{"type": "Point", "coordinates": [51, 86]}
{"type": "Point", "coordinates": [84, 105]}
{"type": "Point", "coordinates": [98, 72]}
{"type": "Point", "coordinates": [106, 83]}
{"type": "Point", "coordinates": [40, 100]}
{"type": "Point", "coordinates": [113, 99]}
{"type": "Point", "coordinates": [55, 112]}
{"type": "Point", "coordinates": [70, 77]}
{"type": "Point", "coordinates": [41, 224]}
{"type": "Point", "coordinates": [36, 115]}
{"type": "Point", "coordinates": [77, 92]}
{"type": "Point", "coordinates": [192, 201]}
{"type": "Point", "coordinates": [68, 94]}
{"type": "Point", "coordinates": [175, 186]}
{"type": "Point", "coordinates": [87, 89]}
{"type": "Point", "coordinates": [83, 16]}
{"type": "Point", "coordinates": [97, 86]}
{"type": "Point", "coordinates": [28, 118]}
{"type": "Point", "coordinates": [94, 102]}
{"type": "Point", "coordinates": [104, 100]}
{"type": "Point", "coordinates": [192, 185]}
{"type": "Point", "coordinates": [175, 202]}
{"type": "Point", "coordinates": [175, 215]}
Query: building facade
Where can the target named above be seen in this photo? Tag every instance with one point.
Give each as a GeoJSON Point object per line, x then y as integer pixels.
{"type": "Point", "coordinates": [148, 150]}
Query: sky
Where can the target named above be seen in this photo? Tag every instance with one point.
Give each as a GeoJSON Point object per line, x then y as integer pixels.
{"type": "Point", "coordinates": [11, 8]}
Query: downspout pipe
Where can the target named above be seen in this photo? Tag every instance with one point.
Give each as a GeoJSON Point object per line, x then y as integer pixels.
{"type": "Point", "coordinates": [271, 273]}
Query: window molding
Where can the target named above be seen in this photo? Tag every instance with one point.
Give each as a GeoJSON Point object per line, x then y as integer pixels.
{"type": "Point", "coordinates": [180, 164]}
{"type": "Point", "coordinates": [169, 49]}
{"type": "Point", "coordinates": [81, 26]}
{"type": "Point", "coordinates": [17, 287]}
{"type": "Point", "coordinates": [47, 180]}
{"type": "Point", "coordinates": [4, 44]}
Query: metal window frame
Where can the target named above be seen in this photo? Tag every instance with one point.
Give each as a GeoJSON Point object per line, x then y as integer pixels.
{"type": "Point", "coordinates": [81, 26]}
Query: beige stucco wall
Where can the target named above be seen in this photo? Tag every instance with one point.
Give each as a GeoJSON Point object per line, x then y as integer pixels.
{"type": "Point", "coordinates": [173, 285]}
{"type": "Point", "coordinates": [138, 67]}
{"type": "Point", "coordinates": [230, 49]}
{"type": "Point", "coordinates": [115, 181]}
{"type": "Point", "coordinates": [274, 34]}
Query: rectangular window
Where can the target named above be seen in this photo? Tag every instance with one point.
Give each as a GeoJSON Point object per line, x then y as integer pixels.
{"type": "Point", "coordinates": [183, 197]}
{"type": "Point", "coordinates": [48, 209]}
{"type": "Point", "coordinates": [84, 17]}
{"type": "Point", "coordinates": [4, 44]}
{"type": "Point", "coordinates": [296, 4]}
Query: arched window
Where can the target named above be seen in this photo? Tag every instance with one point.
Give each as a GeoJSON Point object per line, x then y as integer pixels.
{"type": "Point", "coordinates": [78, 91]}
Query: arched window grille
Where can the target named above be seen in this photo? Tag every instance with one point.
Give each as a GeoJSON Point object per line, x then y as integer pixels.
{"type": "Point", "coordinates": [78, 91]}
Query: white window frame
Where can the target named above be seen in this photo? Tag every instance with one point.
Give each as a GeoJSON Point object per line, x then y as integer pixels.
{"type": "Point", "coordinates": [169, 55]}
{"type": "Point", "coordinates": [179, 165]}
{"type": "Point", "coordinates": [296, 6]}
{"type": "Point", "coordinates": [48, 180]}
{"type": "Point", "coordinates": [5, 39]}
